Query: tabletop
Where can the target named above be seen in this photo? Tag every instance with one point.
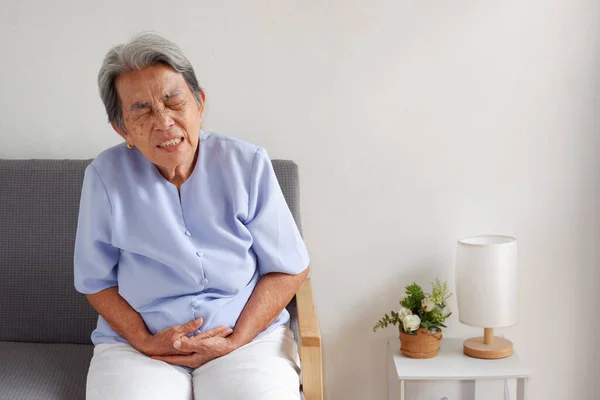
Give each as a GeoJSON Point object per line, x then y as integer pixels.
{"type": "Point", "coordinates": [452, 364]}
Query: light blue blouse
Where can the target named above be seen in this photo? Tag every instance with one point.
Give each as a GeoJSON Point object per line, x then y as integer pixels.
{"type": "Point", "coordinates": [179, 256]}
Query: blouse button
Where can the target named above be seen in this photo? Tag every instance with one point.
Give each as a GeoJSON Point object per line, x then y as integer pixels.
{"type": "Point", "coordinates": [187, 233]}
{"type": "Point", "coordinates": [199, 254]}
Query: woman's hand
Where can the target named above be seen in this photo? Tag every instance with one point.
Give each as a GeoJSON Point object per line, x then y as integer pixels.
{"type": "Point", "coordinates": [161, 344]}
{"type": "Point", "coordinates": [204, 347]}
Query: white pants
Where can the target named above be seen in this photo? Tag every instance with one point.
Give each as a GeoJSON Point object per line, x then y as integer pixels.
{"type": "Point", "coordinates": [265, 369]}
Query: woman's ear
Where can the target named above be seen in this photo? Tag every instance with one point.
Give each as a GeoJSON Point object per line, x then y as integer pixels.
{"type": "Point", "coordinates": [202, 102]}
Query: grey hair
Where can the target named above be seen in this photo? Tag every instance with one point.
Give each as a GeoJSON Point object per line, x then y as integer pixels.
{"type": "Point", "coordinates": [143, 51]}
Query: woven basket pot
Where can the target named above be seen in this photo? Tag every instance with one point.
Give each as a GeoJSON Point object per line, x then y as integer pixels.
{"type": "Point", "coordinates": [421, 345]}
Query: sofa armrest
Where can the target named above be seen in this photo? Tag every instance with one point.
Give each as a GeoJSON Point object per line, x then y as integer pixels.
{"type": "Point", "coordinates": [310, 343]}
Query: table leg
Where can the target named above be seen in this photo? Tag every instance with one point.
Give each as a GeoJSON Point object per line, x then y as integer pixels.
{"type": "Point", "coordinates": [476, 393]}
{"type": "Point", "coordinates": [393, 381]}
{"type": "Point", "coordinates": [402, 390]}
{"type": "Point", "coordinates": [522, 389]}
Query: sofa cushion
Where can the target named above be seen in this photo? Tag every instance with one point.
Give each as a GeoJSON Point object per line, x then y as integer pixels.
{"type": "Point", "coordinates": [39, 205]}
{"type": "Point", "coordinates": [35, 371]}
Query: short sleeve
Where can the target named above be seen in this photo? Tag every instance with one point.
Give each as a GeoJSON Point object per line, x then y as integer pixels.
{"type": "Point", "coordinates": [95, 258]}
{"type": "Point", "coordinates": [276, 240]}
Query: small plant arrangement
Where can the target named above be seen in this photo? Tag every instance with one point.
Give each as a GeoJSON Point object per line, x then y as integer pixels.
{"type": "Point", "coordinates": [420, 310]}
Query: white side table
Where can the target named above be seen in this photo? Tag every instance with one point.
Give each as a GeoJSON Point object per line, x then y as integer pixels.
{"type": "Point", "coordinates": [451, 364]}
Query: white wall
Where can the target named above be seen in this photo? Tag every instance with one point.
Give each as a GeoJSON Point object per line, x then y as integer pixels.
{"type": "Point", "coordinates": [413, 123]}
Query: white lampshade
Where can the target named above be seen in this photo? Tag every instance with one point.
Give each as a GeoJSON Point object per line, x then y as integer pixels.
{"type": "Point", "coordinates": [486, 281]}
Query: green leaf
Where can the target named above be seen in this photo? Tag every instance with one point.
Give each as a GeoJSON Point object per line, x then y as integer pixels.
{"type": "Point", "coordinates": [426, 324]}
{"type": "Point", "coordinates": [414, 290]}
{"type": "Point", "coordinates": [440, 293]}
{"type": "Point", "coordinates": [387, 320]}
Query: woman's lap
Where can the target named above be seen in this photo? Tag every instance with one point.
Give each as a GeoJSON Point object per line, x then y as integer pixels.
{"type": "Point", "coordinates": [265, 369]}
{"type": "Point", "coordinates": [118, 371]}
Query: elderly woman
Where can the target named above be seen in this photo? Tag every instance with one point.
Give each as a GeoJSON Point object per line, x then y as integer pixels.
{"type": "Point", "coordinates": [185, 246]}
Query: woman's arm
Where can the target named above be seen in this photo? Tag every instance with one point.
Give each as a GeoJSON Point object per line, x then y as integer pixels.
{"type": "Point", "coordinates": [270, 296]}
{"type": "Point", "coordinates": [120, 315]}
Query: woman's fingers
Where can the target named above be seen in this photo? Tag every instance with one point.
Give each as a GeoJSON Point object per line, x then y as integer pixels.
{"type": "Point", "coordinates": [190, 326]}
{"type": "Point", "coordinates": [218, 331]}
{"type": "Point", "coordinates": [226, 332]}
{"type": "Point", "coordinates": [190, 344]}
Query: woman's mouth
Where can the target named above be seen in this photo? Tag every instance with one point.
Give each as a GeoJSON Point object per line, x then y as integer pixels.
{"type": "Point", "coordinates": [170, 143]}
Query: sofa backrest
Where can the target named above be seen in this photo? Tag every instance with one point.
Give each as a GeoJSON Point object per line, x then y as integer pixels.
{"type": "Point", "coordinates": [39, 204]}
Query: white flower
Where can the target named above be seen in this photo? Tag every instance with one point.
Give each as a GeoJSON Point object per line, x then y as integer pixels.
{"type": "Point", "coordinates": [428, 304]}
{"type": "Point", "coordinates": [411, 323]}
{"type": "Point", "coordinates": [403, 313]}
{"type": "Point", "coordinates": [446, 312]}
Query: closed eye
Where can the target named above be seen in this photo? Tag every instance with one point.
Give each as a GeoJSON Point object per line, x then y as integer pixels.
{"type": "Point", "coordinates": [140, 107]}
{"type": "Point", "coordinates": [175, 104]}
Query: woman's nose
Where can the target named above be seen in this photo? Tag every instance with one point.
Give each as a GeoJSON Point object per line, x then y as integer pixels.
{"type": "Point", "coordinates": [163, 120]}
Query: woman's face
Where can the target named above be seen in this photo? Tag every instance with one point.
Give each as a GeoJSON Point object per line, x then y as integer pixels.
{"type": "Point", "coordinates": [161, 117]}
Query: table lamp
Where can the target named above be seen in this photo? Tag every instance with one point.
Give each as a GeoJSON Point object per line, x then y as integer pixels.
{"type": "Point", "coordinates": [486, 291]}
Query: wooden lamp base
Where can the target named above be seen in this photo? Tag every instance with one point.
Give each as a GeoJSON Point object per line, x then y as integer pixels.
{"type": "Point", "coordinates": [488, 347]}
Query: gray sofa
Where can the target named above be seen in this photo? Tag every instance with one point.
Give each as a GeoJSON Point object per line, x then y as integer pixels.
{"type": "Point", "coordinates": [45, 325]}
